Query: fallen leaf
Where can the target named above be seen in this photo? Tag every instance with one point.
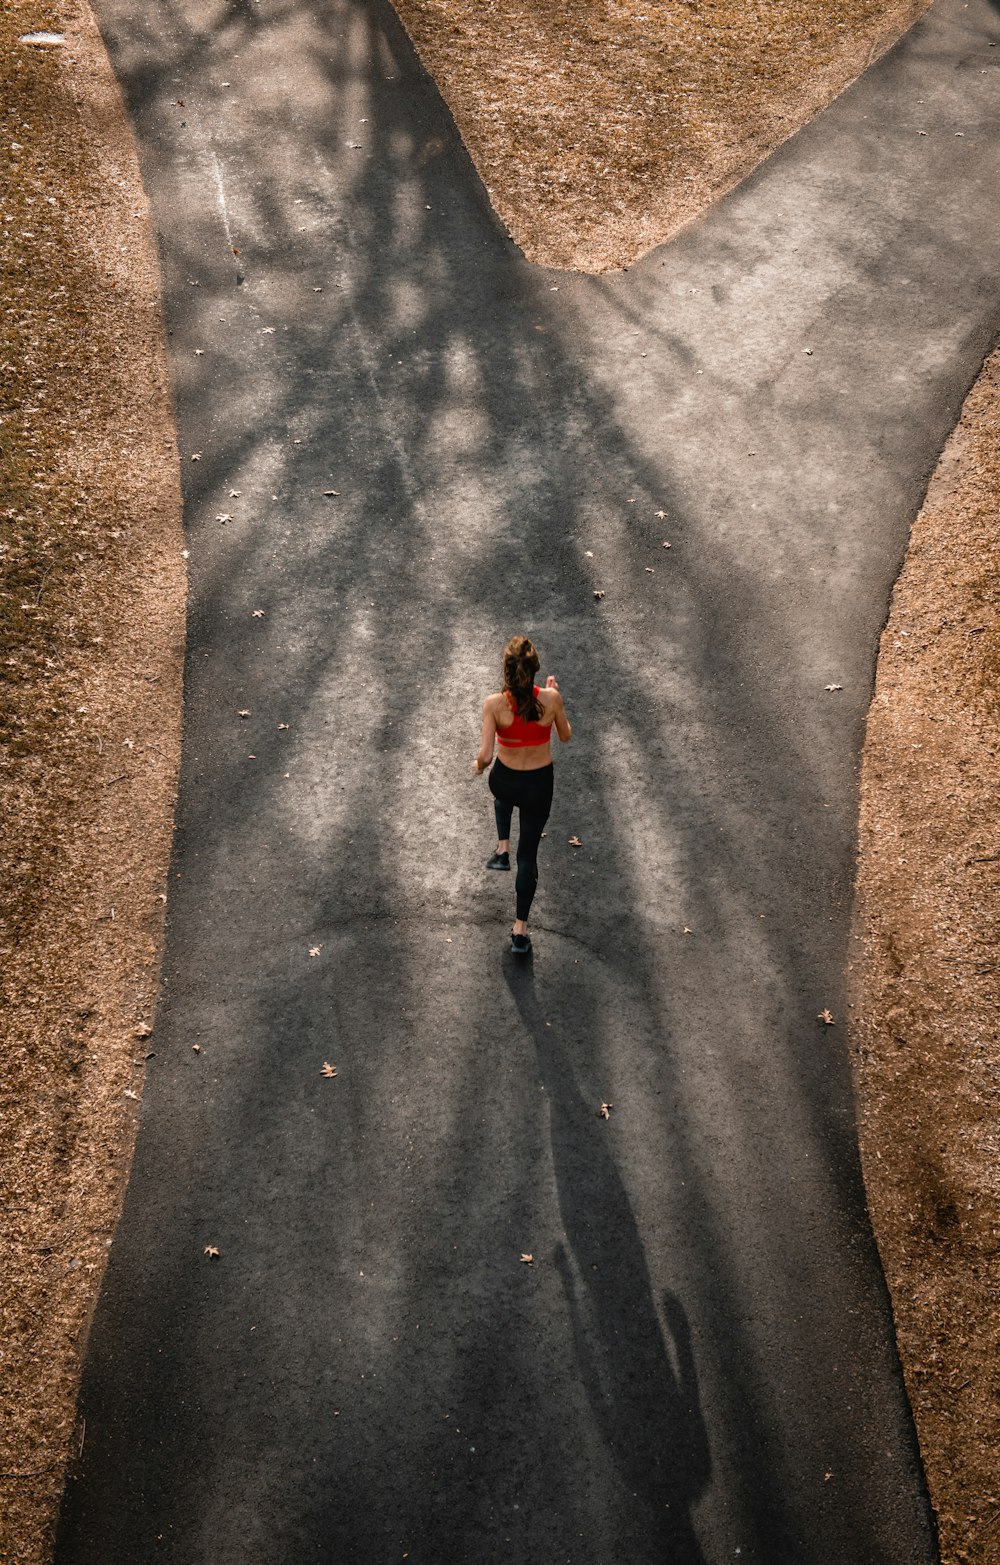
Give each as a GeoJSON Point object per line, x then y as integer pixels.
{"type": "Point", "coordinates": [143, 1031]}
{"type": "Point", "coordinates": [234, 494]}
{"type": "Point", "coordinates": [328, 1069]}
{"type": "Point", "coordinates": [833, 687]}
{"type": "Point", "coordinates": [244, 711]}
{"type": "Point", "coordinates": [196, 1048]}
{"type": "Point", "coordinates": [315, 950]}
{"type": "Point", "coordinates": [807, 352]}
{"type": "Point", "coordinates": [605, 1110]}
{"type": "Point", "coordinates": [599, 594]}
{"type": "Point", "coordinates": [282, 726]}
{"type": "Point", "coordinates": [199, 353]}
{"type": "Point", "coordinates": [650, 571]}
{"type": "Point", "coordinates": [196, 456]}
{"type": "Point", "coordinates": [211, 1251]}
{"type": "Point", "coordinates": [258, 614]}
{"type": "Point", "coordinates": [529, 1260]}
{"type": "Point", "coordinates": [223, 517]}
{"type": "Point", "coordinates": [588, 554]}
{"type": "Point", "coordinates": [665, 544]}
{"type": "Point", "coordinates": [330, 493]}
{"type": "Point", "coordinates": [687, 931]}
{"type": "Point", "coordinates": [130, 1094]}
{"type": "Point", "coordinates": [662, 515]}
{"type": "Point", "coordinates": [575, 842]}
{"type": "Point", "coordinates": [826, 1018]}
{"type": "Point", "coordinates": [234, 249]}
{"type": "Point", "coordinates": [268, 331]}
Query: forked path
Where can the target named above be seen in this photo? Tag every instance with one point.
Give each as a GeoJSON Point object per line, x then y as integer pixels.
{"type": "Point", "coordinates": [699, 1364]}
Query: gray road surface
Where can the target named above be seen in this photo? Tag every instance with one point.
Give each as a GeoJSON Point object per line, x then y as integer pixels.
{"type": "Point", "coordinates": [699, 1366]}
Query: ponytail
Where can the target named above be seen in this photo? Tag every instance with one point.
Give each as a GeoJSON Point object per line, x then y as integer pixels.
{"type": "Point", "coordinates": [520, 665]}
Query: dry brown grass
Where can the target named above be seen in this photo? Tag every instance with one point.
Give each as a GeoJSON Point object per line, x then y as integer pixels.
{"type": "Point", "coordinates": [91, 601]}
{"type": "Point", "coordinates": [600, 126]}
{"type": "Point", "coordinates": [926, 987]}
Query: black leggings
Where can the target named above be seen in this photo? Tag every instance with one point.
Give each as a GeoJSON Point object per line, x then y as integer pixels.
{"type": "Point", "coordinates": [531, 793]}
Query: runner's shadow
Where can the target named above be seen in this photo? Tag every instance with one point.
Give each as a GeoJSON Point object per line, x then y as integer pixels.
{"type": "Point", "coordinates": [636, 1363]}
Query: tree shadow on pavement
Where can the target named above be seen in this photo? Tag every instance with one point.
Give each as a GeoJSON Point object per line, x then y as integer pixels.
{"type": "Point", "coordinates": [402, 354]}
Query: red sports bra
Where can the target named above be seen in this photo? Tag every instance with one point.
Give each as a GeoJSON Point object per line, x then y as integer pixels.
{"type": "Point", "coordinates": [523, 732]}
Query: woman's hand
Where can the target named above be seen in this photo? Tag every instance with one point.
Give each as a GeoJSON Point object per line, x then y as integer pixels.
{"type": "Point", "coordinates": [552, 683]}
{"type": "Point", "coordinates": [479, 766]}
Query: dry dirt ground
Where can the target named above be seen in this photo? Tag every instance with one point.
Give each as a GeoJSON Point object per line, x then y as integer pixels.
{"type": "Point", "coordinates": [91, 631]}
{"type": "Point", "coordinates": [925, 1038]}
{"type": "Point", "coordinates": [599, 128]}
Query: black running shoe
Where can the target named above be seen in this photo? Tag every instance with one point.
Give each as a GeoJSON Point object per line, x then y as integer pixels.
{"type": "Point", "coordinates": [499, 861]}
{"type": "Point", "coordinates": [520, 944]}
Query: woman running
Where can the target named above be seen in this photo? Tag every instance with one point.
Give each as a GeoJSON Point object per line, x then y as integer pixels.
{"type": "Point", "coordinates": [520, 718]}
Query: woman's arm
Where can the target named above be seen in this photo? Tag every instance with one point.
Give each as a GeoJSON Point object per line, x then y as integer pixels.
{"type": "Point", "coordinates": [560, 720]}
{"type": "Point", "coordinates": [485, 755]}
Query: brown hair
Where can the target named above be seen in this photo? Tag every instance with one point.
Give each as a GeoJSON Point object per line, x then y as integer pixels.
{"type": "Point", "coordinates": [520, 665]}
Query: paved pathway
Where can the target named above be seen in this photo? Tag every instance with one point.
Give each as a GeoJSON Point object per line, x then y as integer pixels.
{"type": "Point", "coordinates": [699, 1366]}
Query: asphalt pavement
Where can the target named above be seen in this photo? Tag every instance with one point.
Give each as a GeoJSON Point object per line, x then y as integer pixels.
{"type": "Point", "coordinates": [401, 443]}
